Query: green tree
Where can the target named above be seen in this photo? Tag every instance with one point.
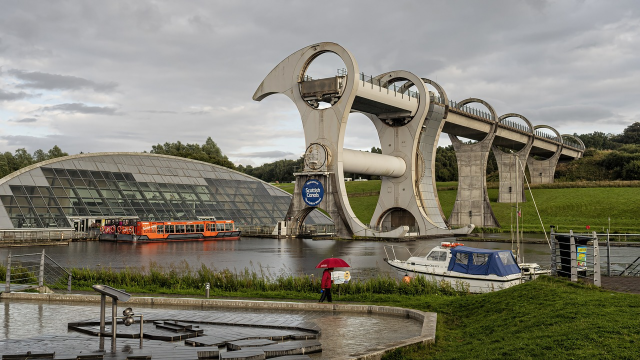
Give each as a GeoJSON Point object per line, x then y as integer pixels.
{"type": "Point", "coordinates": [23, 158]}
{"type": "Point", "coordinates": [630, 135]}
{"type": "Point", "coordinates": [40, 155]}
{"type": "Point", "coordinates": [209, 152]}
{"type": "Point", "coordinates": [4, 166]}
{"type": "Point", "coordinates": [56, 152]}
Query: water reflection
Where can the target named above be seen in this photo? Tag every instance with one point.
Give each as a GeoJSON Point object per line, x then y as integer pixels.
{"type": "Point", "coordinates": [295, 256]}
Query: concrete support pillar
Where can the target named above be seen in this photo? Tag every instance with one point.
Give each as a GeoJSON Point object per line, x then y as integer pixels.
{"type": "Point", "coordinates": [299, 210]}
{"type": "Point", "coordinates": [510, 166]}
{"type": "Point", "coordinates": [542, 171]}
{"type": "Point", "coordinates": [472, 201]}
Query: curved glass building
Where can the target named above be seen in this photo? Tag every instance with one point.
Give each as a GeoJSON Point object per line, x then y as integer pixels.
{"type": "Point", "coordinates": [76, 191]}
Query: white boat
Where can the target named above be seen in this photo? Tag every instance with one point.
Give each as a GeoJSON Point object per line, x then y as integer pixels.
{"type": "Point", "coordinates": [531, 271]}
{"type": "Point", "coordinates": [465, 268]}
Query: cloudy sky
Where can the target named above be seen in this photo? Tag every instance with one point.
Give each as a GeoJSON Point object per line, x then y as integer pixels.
{"type": "Point", "coordinates": [125, 75]}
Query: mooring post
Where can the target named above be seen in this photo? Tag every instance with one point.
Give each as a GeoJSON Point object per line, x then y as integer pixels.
{"type": "Point", "coordinates": [608, 255]}
{"type": "Point", "coordinates": [7, 287]}
{"type": "Point", "coordinates": [114, 322]}
{"type": "Point", "coordinates": [574, 263]}
{"type": "Point", "coordinates": [596, 261]}
{"type": "Point", "coordinates": [103, 299]}
{"type": "Point", "coordinates": [554, 265]}
{"type": "Point", "coordinates": [41, 276]}
{"type": "Point", "coordinates": [141, 331]}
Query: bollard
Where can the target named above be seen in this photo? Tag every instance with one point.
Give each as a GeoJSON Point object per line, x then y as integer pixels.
{"type": "Point", "coordinates": [69, 284]}
{"type": "Point", "coordinates": [8, 285]}
{"type": "Point", "coordinates": [41, 275]}
{"type": "Point", "coordinates": [207, 287]}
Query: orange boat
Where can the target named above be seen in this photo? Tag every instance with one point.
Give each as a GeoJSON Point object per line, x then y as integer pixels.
{"type": "Point", "coordinates": [157, 231]}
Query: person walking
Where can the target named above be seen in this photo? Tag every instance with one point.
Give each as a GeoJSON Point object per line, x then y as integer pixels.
{"type": "Point", "coordinates": [326, 285]}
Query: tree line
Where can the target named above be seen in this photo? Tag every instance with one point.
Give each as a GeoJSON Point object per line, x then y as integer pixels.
{"type": "Point", "coordinates": [21, 158]}
{"type": "Point", "coordinates": [608, 157]}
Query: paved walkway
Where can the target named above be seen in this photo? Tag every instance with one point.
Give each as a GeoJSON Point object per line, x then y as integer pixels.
{"type": "Point", "coordinates": [27, 323]}
{"type": "Point", "coordinates": [627, 284]}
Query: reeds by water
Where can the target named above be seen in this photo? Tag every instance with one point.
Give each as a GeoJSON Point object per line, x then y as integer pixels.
{"type": "Point", "coordinates": [182, 278]}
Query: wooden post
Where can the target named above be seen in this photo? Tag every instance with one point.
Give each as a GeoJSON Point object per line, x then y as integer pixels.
{"type": "Point", "coordinates": [7, 287]}
{"type": "Point", "coordinates": [596, 262]}
{"type": "Point", "coordinates": [574, 262]}
{"type": "Point", "coordinates": [608, 254]}
{"type": "Point", "coordinates": [41, 275]}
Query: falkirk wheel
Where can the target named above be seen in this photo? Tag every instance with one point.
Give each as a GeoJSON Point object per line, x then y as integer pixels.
{"type": "Point", "coordinates": [408, 124]}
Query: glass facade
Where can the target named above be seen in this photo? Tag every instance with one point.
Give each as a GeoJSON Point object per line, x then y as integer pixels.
{"type": "Point", "coordinates": [85, 193]}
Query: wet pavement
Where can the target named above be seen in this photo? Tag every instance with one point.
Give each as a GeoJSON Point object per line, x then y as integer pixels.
{"type": "Point", "coordinates": [627, 284]}
{"type": "Point", "coordinates": [43, 326]}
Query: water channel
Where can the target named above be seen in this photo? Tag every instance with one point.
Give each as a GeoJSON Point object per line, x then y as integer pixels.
{"type": "Point", "coordinates": [274, 256]}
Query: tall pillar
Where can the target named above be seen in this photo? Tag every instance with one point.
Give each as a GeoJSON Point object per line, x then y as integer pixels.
{"type": "Point", "coordinates": [299, 209]}
{"type": "Point", "coordinates": [472, 201]}
{"type": "Point", "coordinates": [543, 171]}
{"type": "Point", "coordinates": [510, 167]}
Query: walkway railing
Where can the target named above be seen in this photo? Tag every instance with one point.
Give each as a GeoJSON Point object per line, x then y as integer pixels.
{"type": "Point", "coordinates": [26, 271]}
{"type": "Point", "coordinates": [369, 79]}
{"type": "Point", "coordinates": [572, 144]}
{"type": "Point", "coordinates": [19, 236]}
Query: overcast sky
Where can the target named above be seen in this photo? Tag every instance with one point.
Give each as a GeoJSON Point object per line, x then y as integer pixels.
{"type": "Point", "coordinates": [111, 75]}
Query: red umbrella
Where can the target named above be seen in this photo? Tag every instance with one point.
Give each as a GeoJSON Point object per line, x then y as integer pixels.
{"type": "Point", "coordinates": [332, 263]}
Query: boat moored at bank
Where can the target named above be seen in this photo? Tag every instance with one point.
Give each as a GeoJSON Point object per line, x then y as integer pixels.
{"type": "Point", "coordinates": [465, 268]}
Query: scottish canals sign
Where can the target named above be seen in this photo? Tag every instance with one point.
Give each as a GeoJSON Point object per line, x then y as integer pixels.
{"type": "Point", "coordinates": [312, 192]}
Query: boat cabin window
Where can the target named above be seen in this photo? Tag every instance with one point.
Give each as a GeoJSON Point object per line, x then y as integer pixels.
{"type": "Point", "coordinates": [169, 229]}
{"type": "Point", "coordinates": [220, 227]}
{"type": "Point", "coordinates": [180, 229]}
{"type": "Point", "coordinates": [191, 228]}
{"type": "Point", "coordinates": [507, 258]}
{"type": "Point", "coordinates": [160, 229]}
{"type": "Point", "coordinates": [480, 259]}
{"type": "Point", "coordinates": [199, 227]}
{"type": "Point", "coordinates": [437, 256]}
{"type": "Point", "coordinates": [462, 258]}
{"type": "Point", "coordinates": [229, 227]}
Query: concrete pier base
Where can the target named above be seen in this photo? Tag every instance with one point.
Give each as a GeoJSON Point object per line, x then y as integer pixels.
{"type": "Point", "coordinates": [542, 171]}
{"type": "Point", "coordinates": [510, 167]}
{"type": "Point", "coordinates": [299, 210]}
{"type": "Point", "coordinates": [472, 201]}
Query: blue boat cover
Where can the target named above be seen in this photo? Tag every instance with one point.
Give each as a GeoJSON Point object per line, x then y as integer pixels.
{"type": "Point", "coordinates": [468, 260]}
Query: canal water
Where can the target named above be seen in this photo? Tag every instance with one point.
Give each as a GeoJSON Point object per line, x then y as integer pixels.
{"type": "Point", "coordinates": [273, 256]}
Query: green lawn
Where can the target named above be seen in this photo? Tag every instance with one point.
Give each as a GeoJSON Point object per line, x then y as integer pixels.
{"type": "Point", "coordinates": [569, 208]}
{"type": "Point", "coordinates": [544, 319]}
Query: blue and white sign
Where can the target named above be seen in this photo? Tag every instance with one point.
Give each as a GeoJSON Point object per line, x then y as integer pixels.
{"type": "Point", "coordinates": [312, 192]}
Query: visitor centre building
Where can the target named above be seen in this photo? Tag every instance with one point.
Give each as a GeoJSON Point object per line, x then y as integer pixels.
{"type": "Point", "coordinates": [76, 191]}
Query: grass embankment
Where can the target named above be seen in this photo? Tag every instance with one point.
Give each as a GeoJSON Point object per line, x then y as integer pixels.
{"type": "Point", "coordinates": [568, 206]}
{"type": "Point", "coordinates": [546, 318]}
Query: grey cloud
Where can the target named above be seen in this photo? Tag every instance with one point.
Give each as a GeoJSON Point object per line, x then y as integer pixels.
{"type": "Point", "coordinates": [40, 80]}
{"type": "Point", "coordinates": [158, 111]}
{"type": "Point", "coordinates": [10, 96]}
{"type": "Point", "coordinates": [79, 108]}
{"type": "Point", "coordinates": [26, 120]}
{"type": "Point", "coordinates": [527, 57]}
